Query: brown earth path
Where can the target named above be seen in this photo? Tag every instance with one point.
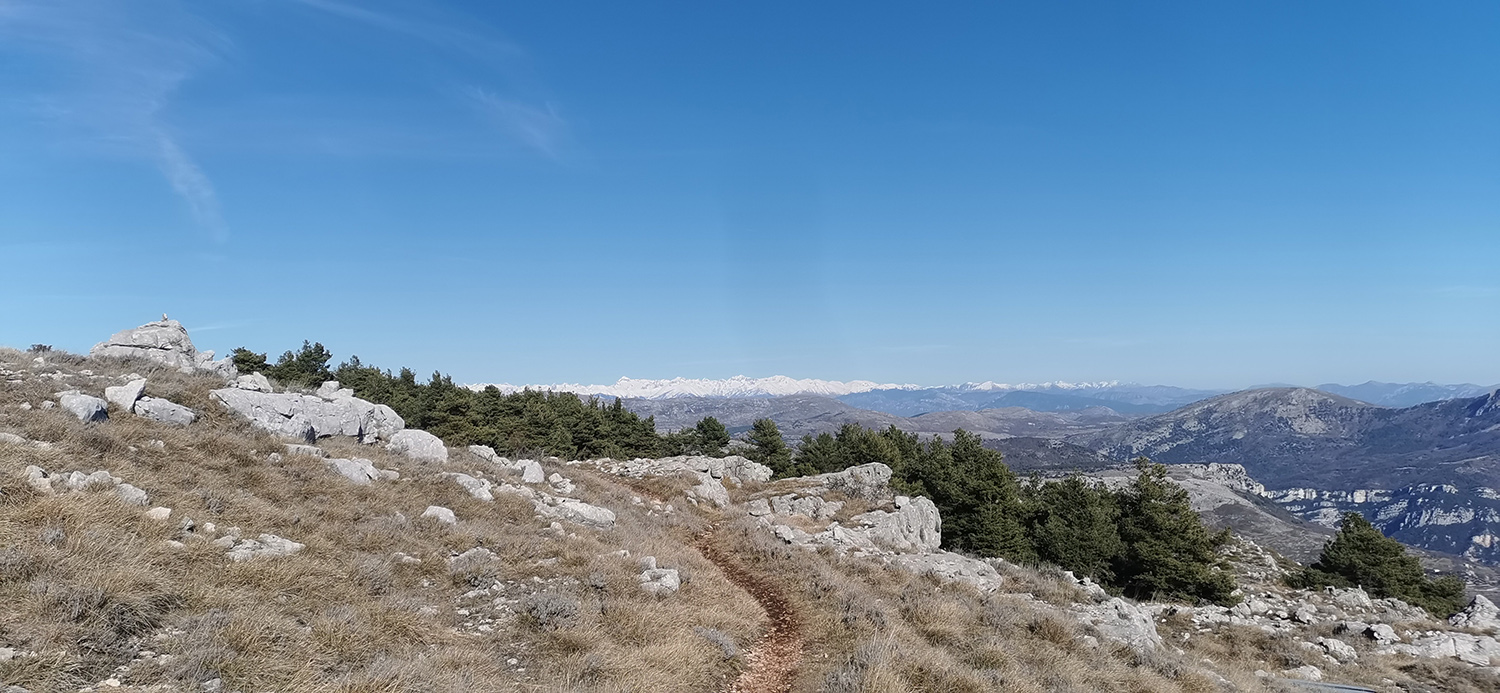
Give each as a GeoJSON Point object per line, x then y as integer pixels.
{"type": "Point", "coordinates": [772, 663]}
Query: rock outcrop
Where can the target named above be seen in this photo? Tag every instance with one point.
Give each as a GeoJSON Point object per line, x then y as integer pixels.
{"type": "Point", "coordinates": [165, 342]}
{"type": "Point", "coordinates": [1480, 614]}
{"type": "Point", "coordinates": [309, 417]}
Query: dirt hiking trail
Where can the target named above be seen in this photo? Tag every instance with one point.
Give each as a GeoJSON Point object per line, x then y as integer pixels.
{"type": "Point", "coordinates": [772, 663]}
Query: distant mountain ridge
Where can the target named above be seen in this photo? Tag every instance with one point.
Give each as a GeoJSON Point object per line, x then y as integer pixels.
{"type": "Point", "coordinates": [1427, 474]}
{"type": "Point", "coordinates": [776, 386]}
{"type": "Point", "coordinates": [1405, 394]}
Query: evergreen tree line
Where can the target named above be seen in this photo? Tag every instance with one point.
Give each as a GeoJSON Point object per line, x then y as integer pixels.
{"type": "Point", "coordinates": [1143, 540]}
{"type": "Point", "coordinates": [521, 423]}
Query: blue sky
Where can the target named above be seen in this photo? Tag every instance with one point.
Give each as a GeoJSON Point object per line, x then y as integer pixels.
{"type": "Point", "coordinates": [1201, 194]}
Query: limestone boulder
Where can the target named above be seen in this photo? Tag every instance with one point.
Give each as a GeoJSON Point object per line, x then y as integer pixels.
{"type": "Point", "coordinates": [358, 470]}
{"type": "Point", "coordinates": [308, 417]}
{"type": "Point", "coordinates": [914, 527]}
{"type": "Point", "coordinates": [125, 396]}
{"type": "Point", "coordinates": [164, 411]}
{"type": "Point", "coordinates": [265, 546]}
{"type": "Point", "coordinates": [165, 342]}
{"type": "Point", "coordinates": [531, 472]}
{"type": "Point", "coordinates": [576, 511]}
{"type": "Point", "coordinates": [1123, 622]}
{"type": "Point", "coordinates": [1480, 614]}
{"type": "Point", "coordinates": [86, 407]}
{"type": "Point", "coordinates": [440, 514]}
{"type": "Point", "coordinates": [418, 445]}
{"type": "Point", "coordinates": [254, 382]}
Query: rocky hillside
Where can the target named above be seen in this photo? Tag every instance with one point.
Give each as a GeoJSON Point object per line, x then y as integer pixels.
{"type": "Point", "coordinates": [253, 538]}
{"type": "Point", "coordinates": [1426, 474]}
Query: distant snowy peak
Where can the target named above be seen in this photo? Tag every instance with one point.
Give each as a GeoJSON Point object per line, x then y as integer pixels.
{"type": "Point", "coordinates": [1052, 385]}
{"type": "Point", "coordinates": [738, 386]}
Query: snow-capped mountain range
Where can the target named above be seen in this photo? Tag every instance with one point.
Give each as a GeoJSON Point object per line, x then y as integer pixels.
{"type": "Point", "coordinates": [773, 386]}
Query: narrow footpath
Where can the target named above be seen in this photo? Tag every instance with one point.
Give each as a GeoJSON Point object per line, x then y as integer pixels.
{"type": "Point", "coordinates": [772, 663]}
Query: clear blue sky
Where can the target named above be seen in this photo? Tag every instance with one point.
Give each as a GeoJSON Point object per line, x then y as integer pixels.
{"type": "Point", "coordinates": [1202, 194]}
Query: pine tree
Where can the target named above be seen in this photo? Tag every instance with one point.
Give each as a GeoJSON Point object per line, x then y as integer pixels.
{"type": "Point", "coordinates": [768, 447]}
{"type": "Point", "coordinates": [1168, 552]}
{"type": "Point", "coordinates": [1075, 524]}
{"type": "Point", "coordinates": [1361, 556]}
{"type": "Point", "coordinates": [712, 436]}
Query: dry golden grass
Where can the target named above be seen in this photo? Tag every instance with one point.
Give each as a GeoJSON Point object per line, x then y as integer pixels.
{"type": "Point", "coordinates": [871, 628]}
{"type": "Point", "coordinates": [90, 582]}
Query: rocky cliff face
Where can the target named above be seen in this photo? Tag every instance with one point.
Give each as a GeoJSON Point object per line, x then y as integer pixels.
{"type": "Point", "coordinates": [1425, 474]}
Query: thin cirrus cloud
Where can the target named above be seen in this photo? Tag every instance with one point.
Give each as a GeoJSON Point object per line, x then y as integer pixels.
{"type": "Point", "coordinates": [536, 124]}
{"type": "Point", "coordinates": [120, 70]}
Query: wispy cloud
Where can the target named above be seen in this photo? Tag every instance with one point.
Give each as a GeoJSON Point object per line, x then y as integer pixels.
{"type": "Point", "coordinates": [121, 67]}
{"type": "Point", "coordinates": [537, 127]}
{"type": "Point", "coordinates": [533, 122]}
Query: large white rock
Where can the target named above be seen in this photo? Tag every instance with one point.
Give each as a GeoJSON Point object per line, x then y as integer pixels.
{"type": "Point", "coordinates": [531, 472]}
{"type": "Point", "coordinates": [358, 470]}
{"type": "Point", "coordinates": [915, 527]}
{"type": "Point", "coordinates": [709, 490]}
{"type": "Point", "coordinates": [165, 342]}
{"type": "Point", "coordinates": [125, 396]}
{"type": "Point", "coordinates": [484, 452]}
{"type": "Point", "coordinates": [255, 382]}
{"type": "Point", "coordinates": [575, 511]}
{"type": "Point", "coordinates": [164, 411]}
{"type": "Point", "coordinates": [307, 417]}
{"type": "Point", "coordinates": [1481, 614]}
{"type": "Point", "coordinates": [418, 445]}
{"type": "Point", "coordinates": [1122, 622]}
{"type": "Point", "coordinates": [86, 407]}
{"type": "Point", "coordinates": [478, 488]}
{"type": "Point", "coordinates": [330, 391]}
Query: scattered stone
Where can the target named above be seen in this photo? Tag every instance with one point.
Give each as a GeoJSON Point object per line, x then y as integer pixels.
{"type": "Point", "coordinates": [531, 472]}
{"type": "Point", "coordinates": [1306, 672]}
{"type": "Point", "coordinates": [308, 450]}
{"type": "Point", "coordinates": [470, 559]}
{"type": "Point", "coordinates": [307, 417]}
{"type": "Point", "coordinates": [759, 507]}
{"type": "Point", "coordinates": [86, 407]}
{"type": "Point", "coordinates": [1338, 649]}
{"type": "Point", "coordinates": [163, 411]}
{"type": "Point", "coordinates": [560, 483]}
{"type": "Point", "coordinates": [660, 581]}
{"type": "Point", "coordinates": [418, 445]}
{"type": "Point", "coordinates": [125, 396]}
{"type": "Point", "coordinates": [441, 514]}
{"type": "Point", "coordinates": [1382, 634]}
{"type": "Point", "coordinates": [265, 546]}
{"type": "Point", "coordinates": [12, 439]}
{"type": "Point", "coordinates": [358, 470]}
{"type": "Point", "coordinates": [159, 514]}
{"type": "Point", "coordinates": [484, 452]}
{"type": "Point", "coordinates": [132, 495]}
{"type": "Point", "coordinates": [478, 488]}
